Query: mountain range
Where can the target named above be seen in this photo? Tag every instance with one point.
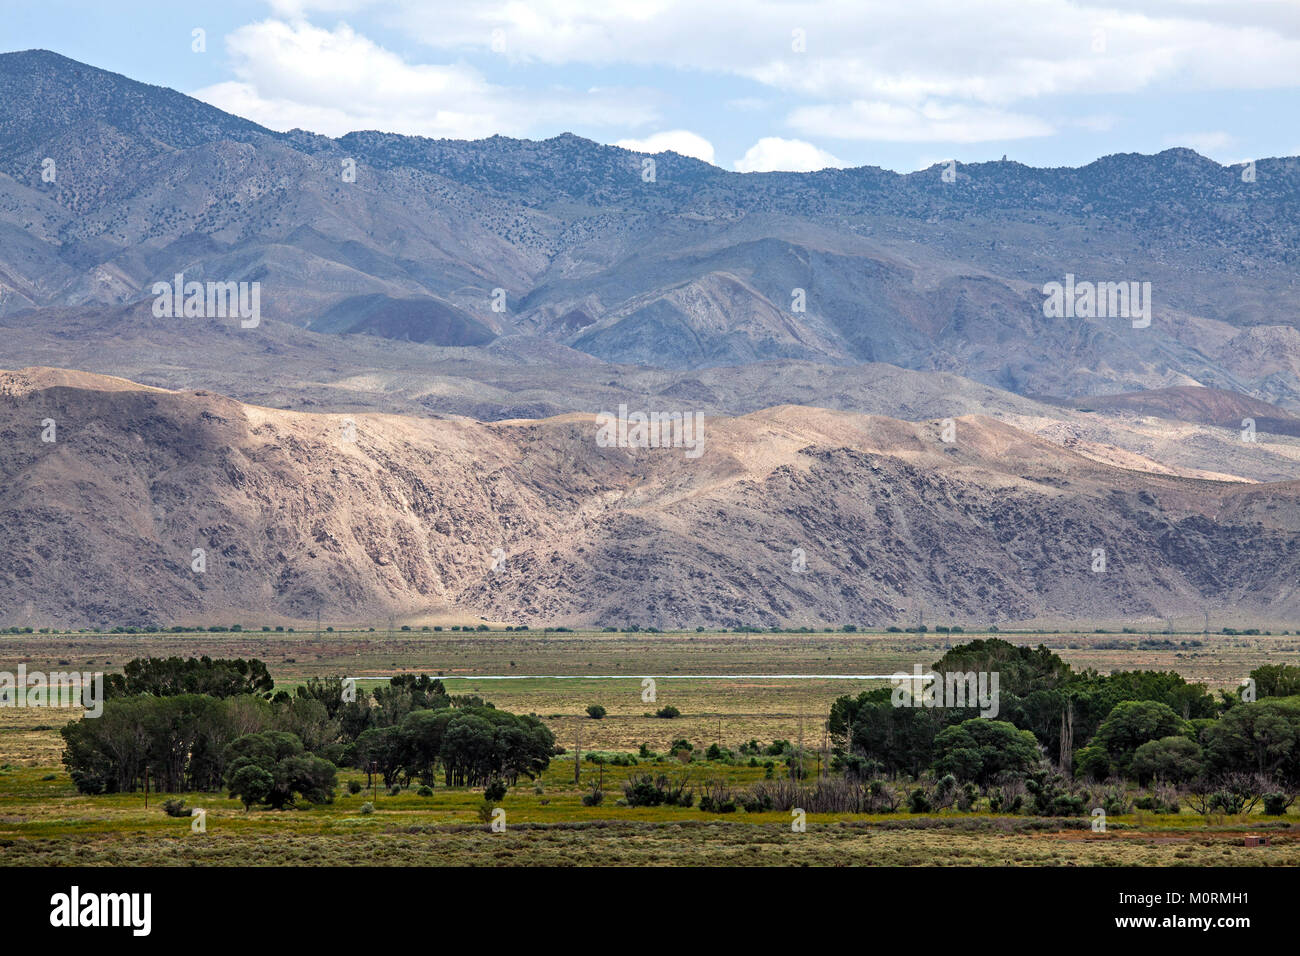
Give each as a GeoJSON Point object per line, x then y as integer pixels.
{"type": "Point", "coordinates": [697, 268]}
{"type": "Point", "coordinates": [470, 306]}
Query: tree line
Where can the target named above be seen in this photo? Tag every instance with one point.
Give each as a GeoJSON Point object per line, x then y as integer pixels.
{"type": "Point", "coordinates": [1148, 727]}
{"type": "Point", "coordinates": [201, 724]}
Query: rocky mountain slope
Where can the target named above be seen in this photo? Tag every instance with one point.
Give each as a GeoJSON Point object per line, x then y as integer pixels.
{"type": "Point", "coordinates": [563, 243]}
{"type": "Point", "coordinates": [366, 515]}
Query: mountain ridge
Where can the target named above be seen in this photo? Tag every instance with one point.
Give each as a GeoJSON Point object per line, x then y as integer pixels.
{"type": "Point", "coordinates": [697, 269]}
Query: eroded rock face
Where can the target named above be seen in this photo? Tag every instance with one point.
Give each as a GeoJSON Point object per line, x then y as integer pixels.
{"type": "Point", "coordinates": [367, 515]}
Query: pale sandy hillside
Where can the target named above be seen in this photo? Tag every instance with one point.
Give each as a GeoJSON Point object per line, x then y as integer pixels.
{"type": "Point", "coordinates": [368, 515]}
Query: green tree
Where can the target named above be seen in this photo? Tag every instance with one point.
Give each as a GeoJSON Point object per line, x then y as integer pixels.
{"type": "Point", "coordinates": [251, 784]}
{"type": "Point", "coordinates": [281, 757]}
{"type": "Point", "coordinates": [1171, 760]}
{"type": "Point", "coordinates": [1130, 724]}
{"type": "Point", "coordinates": [978, 750]}
{"type": "Point", "coordinates": [1261, 737]}
{"type": "Point", "coordinates": [1276, 680]}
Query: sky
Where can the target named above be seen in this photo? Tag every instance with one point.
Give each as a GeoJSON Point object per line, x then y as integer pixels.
{"type": "Point", "coordinates": [749, 86]}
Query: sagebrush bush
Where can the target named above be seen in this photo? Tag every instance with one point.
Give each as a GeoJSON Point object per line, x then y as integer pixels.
{"type": "Point", "coordinates": [645, 790]}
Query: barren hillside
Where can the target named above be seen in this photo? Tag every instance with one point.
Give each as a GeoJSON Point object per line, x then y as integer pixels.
{"type": "Point", "coordinates": [368, 515]}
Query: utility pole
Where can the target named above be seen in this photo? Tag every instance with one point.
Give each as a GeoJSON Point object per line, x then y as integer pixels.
{"type": "Point", "coordinates": [577, 751]}
{"type": "Point", "coordinates": [318, 624]}
{"type": "Point", "coordinates": [798, 774]}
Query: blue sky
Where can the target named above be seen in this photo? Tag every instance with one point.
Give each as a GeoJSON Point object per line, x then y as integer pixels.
{"type": "Point", "coordinates": [750, 86]}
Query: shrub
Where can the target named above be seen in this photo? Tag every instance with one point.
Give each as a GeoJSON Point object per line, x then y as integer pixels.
{"type": "Point", "coordinates": [394, 790]}
{"type": "Point", "coordinates": [945, 792]}
{"type": "Point", "coordinates": [918, 802]}
{"type": "Point", "coordinates": [1225, 801]}
{"type": "Point", "coordinates": [1000, 802]}
{"type": "Point", "coordinates": [596, 712]}
{"type": "Point", "coordinates": [1153, 804]}
{"type": "Point", "coordinates": [1113, 799]}
{"type": "Point", "coordinates": [966, 797]}
{"type": "Point", "coordinates": [354, 787]}
{"type": "Point", "coordinates": [1230, 793]}
{"type": "Point", "coordinates": [425, 791]}
{"type": "Point", "coordinates": [644, 790]}
{"type": "Point", "coordinates": [1162, 798]}
{"type": "Point", "coordinates": [613, 758]}
{"type": "Point", "coordinates": [593, 799]}
{"type": "Point", "coordinates": [367, 808]}
{"type": "Point", "coordinates": [1052, 797]}
{"type": "Point", "coordinates": [495, 791]}
{"type": "Point", "coordinates": [1275, 804]}
{"type": "Point", "coordinates": [175, 808]}
{"type": "Point", "coordinates": [668, 712]}
{"type": "Point", "coordinates": [718, 798]}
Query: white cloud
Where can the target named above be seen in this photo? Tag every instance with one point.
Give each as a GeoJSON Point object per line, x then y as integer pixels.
{"type": "Point", "coordinates": [337, 81]}
{"type": "Point", "coordinates": [996, 51]}
{"type": "Point", "coordinates": [928, 122]}
{"type": "Point", "coordinates": [924, 71]}
{"type": "Point", "coordinates": [772, 154]}
{"type": "Point", "coordinates": [678, 140]}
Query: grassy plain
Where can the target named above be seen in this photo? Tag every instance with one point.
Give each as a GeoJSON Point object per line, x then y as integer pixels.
{"type": "Point", "coordinates": [43, 821]}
